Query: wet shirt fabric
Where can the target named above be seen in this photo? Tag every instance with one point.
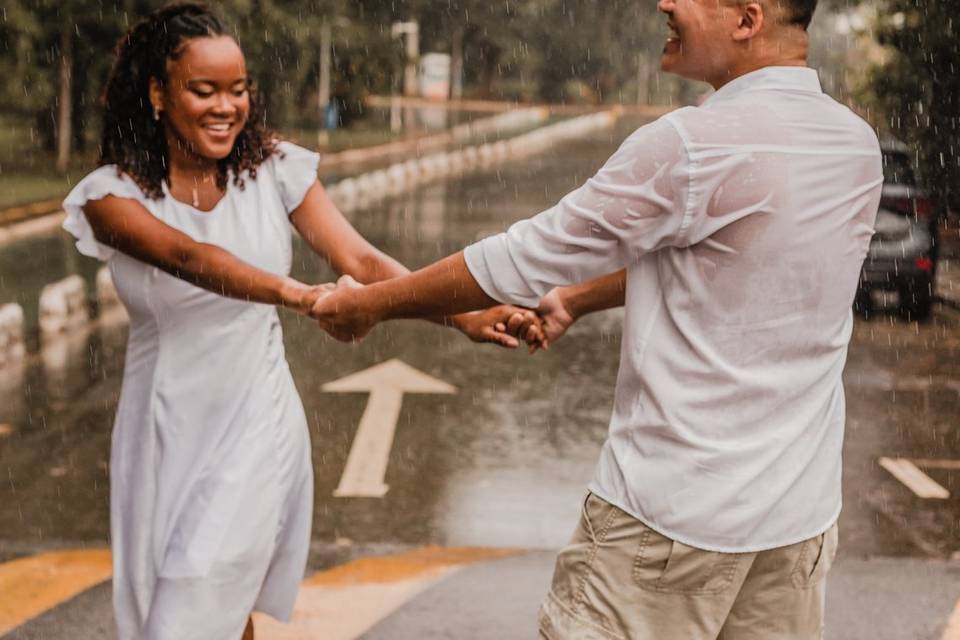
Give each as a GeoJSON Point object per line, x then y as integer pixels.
{"type": "Point", "coordinates": [211, 480]}
{"type": "Point", "coordinates": [743, 225]}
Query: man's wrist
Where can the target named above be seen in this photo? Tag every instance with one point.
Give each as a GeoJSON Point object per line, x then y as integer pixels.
{"type": "Point", "coordinates": [457, 321]}
{"type": "Point", "coordinates": [367, 302]}
{"type": "Point", "coordinates": [571, 303]}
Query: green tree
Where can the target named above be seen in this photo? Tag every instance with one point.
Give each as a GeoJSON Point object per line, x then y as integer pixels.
{"type": "Point", "coordinates": [918, 88]}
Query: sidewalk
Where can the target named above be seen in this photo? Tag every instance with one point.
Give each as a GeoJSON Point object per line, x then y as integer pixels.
{"type": "Point", "coordinates": [490, 594]}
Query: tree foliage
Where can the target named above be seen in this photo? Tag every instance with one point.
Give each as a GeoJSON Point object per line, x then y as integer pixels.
{"type": "Point", "coordinates": [918, 87]}
{"type": "Point", "coordinates": [558, 50]}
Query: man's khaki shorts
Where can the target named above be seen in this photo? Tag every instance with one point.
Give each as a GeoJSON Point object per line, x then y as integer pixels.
{"type": "Point", "coordinates": [618, 579]}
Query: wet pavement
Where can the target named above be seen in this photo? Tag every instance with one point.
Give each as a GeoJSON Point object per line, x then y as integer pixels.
{"type": "Point", "coordinates": [502, 462]}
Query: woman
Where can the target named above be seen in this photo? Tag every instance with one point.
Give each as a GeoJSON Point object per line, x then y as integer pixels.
{"type": "Point", "coordinates": [211, 483]}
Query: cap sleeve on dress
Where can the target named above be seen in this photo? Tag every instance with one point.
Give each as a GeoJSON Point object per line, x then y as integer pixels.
{"type": "Point", "coordinates": [103, 182]}
{"type": "Point", "coordinates": [295, 173]}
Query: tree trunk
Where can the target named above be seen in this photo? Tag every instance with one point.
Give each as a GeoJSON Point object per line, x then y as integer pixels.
{"type": "Point", "coordinates": [456, 64]}
{"type": "Point", "coordinates": [65, 111]}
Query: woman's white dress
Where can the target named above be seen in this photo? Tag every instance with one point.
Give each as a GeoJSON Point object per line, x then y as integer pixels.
{"type": "Point", "coordinates": [211, 480]}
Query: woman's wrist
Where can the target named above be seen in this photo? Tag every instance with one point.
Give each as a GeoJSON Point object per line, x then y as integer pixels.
{"type": "Point", "coordinates": [294, 295]}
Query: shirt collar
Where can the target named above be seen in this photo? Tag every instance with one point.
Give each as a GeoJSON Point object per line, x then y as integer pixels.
{"type": "Point", "coordinates": [782, 78]}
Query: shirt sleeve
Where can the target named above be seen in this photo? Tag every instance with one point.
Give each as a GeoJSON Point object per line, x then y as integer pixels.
{"type": "Point", "coordinates": [635, 204]}
{"type": "Point", "coordinates": [103, 182]}
{"type": "Point", "coordinates": [295, 169]}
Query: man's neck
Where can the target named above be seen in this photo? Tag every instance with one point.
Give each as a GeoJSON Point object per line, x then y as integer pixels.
{"type": "Point", "coordinates": [784, 51]}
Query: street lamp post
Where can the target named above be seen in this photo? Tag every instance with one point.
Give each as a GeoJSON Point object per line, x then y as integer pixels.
{"type": "Point", "coordinates": [411, 30]}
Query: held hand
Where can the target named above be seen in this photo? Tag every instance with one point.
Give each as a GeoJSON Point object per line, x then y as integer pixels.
{"type": "Point", "coordinates": [556, 319]}
{"type": "Point", "coordinates": [490, 325]}
{"type": "Point", "coordinates": [338, 313]}
{"type": "Point", "coordinates": [301, 297]}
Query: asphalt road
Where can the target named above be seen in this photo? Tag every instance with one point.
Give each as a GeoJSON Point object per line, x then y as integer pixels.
{"type": "Point", "coordinates": [503, 461]}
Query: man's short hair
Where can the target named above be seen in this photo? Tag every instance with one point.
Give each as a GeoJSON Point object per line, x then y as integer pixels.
{"type": "Point", "coordinates": [801, 12]}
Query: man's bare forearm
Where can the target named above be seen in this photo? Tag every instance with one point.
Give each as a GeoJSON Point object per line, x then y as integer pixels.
{"type": "Point", "coordinates": [445, 288]}
{"type": "Point", "coordinates": [605, 292]}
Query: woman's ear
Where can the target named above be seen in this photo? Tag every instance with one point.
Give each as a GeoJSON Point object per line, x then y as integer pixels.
{"type": "Point", "coordinates": [750, 22]}
{"type": "Point", "coordinates": [156, 97]}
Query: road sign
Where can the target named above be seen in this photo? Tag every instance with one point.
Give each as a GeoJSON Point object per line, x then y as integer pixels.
{"type": "Point", "coordinates": [386, 383]}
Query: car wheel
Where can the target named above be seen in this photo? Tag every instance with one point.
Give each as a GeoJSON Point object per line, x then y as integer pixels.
{"type": "Point", "coordinates": [862, 303]}
{"type": "Point", "coordinates": [916, 300]}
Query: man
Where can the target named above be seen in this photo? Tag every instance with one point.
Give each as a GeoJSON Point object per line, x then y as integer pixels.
{"type": "Point", "coordinates": [742, 226]}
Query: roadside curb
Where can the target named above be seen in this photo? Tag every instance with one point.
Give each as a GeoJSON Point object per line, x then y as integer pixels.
{"type": "Point", "coordinates": [26, 212]}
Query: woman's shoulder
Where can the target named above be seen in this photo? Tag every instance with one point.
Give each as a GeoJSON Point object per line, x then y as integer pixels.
{"type": "Point", "coordinates": [104, 181]}
{"type": "Point", "coordinates": [294, 169]}
{"type": "Point", "coordinates": [287, 155]}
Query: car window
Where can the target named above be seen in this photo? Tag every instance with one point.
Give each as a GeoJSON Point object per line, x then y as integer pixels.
{"type": "Point", "coordinates": [897, 169]}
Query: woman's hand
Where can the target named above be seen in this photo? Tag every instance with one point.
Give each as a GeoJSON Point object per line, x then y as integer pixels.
{"type": "Point", "coordinates": [492, 325]}
{"type": "Point", "coordinates": [301, 297]}
{"type": "Point", "coordinates": [340, 313]}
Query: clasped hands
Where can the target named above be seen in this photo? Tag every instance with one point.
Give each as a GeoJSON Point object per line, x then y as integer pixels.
{"type": "Point", "coordinates": [340, 309]}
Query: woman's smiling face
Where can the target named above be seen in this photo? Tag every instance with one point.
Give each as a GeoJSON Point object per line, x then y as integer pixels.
{"type": "Point", "coordinates": [206, 100]}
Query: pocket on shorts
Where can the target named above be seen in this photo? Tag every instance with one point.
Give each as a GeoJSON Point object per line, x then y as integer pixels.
{"type": "Point", "coordinates": [815, 559]}
{"type": "Point", "coordinates": [597, 517]}
{"type": "Point", "coordinates": [574, 563]}
{"type": "Point", "coordinates": [668, 566]}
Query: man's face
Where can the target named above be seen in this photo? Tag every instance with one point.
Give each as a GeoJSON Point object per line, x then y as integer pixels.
{"type": "Point", "coordinates": [700, 44]}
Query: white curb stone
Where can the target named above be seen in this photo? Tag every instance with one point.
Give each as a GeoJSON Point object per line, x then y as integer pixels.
{"type": "Point", "coordinates": [63, 306]}
{"type": "Point", "coordinates": [11, 333]}
{"type": "Point", "coordinates": [405, 176]}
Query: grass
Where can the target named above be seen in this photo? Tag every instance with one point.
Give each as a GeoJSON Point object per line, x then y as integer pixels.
{"type": "Point", "coordinates": [27, 171]}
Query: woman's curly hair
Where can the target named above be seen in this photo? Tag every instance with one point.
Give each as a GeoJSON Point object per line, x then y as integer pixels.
{"type": "Point", "coordinates": [132, 139]}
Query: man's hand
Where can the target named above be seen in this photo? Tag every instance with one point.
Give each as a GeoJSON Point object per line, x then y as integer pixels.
{"type": "Point", "coordinates": [339, 313]}
{"type": "Point", "coordinates": [491, 325]}
{"type": "Point", "coordinates": [554, 319]}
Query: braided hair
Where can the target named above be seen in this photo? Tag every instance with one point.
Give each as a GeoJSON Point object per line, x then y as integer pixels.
{"type": "Point", "coordinates": [132, 139]}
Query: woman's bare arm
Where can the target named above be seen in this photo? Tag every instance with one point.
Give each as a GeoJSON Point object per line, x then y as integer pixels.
{"type": "Point", "coordinates": [127, 226]}
{"type": "Point", "coordinates": [332, 237]}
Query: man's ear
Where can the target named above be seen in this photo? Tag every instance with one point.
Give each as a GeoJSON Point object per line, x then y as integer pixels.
{"type": "Point", "coordinates": [750, 22]}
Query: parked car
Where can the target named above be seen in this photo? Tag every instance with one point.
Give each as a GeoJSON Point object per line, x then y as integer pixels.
{"type": "Point", "coordinates": [902, 256]}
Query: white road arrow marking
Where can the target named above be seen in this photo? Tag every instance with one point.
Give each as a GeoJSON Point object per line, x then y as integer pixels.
{"type": "Point", "coordinates": [386, 383]}
{"type": "Point", "coordinates": [917, 481]}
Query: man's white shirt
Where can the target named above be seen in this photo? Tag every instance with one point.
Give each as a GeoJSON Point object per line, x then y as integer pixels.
{"type": "Point", "coordinates": [743, 225]}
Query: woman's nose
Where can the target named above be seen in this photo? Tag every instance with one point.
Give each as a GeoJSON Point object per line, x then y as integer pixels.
{"type": "Point", "coordinates": [225, 105]}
